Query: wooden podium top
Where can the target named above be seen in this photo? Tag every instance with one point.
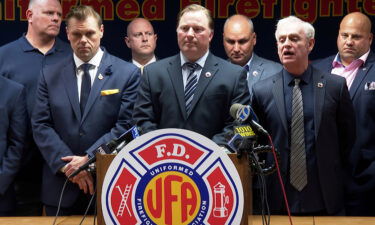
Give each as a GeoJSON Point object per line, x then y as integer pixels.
{"type": "Point", "coordinates": [254, 220]}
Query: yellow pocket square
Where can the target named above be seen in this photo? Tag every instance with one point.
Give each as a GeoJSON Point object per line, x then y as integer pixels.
{"type": "Point", "coordinates": [109, 92]}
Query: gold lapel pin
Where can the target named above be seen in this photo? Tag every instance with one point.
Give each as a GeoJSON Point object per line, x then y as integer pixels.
{"type": "Point", "coordinates": [100, 77]}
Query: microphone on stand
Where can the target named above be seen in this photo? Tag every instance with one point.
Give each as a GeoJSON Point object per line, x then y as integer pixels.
{"type": "Point", "coordinates": [244, 114]}
{"type": "Point", "coordinates": [112, 147]}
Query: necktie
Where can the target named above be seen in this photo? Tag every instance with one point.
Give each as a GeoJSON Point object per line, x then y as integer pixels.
{"type": "Point", "coordinates": [85, 86]}
{"type": "Point", "coordinates": [191, 84]}
{"type": "Point", "coordinates": [298, 173]}
{"type": "Point", "coordinates": [246, 67]}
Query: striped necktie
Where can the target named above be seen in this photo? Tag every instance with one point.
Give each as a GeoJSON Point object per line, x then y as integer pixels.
{"type": "Point", "coordinates": [298, 173]}
{"type": "Point", "coordinates": [191, 84]}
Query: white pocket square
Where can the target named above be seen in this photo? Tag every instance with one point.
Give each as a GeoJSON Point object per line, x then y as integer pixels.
{"type": "Point", "coordinates": [370, 86]}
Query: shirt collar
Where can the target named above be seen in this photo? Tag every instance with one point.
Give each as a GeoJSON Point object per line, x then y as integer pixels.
{"type": "Point", "coordinates": [201, 61]}
{"type": "Point", "coordinates": [93, 61]}
{"type": "Point", "coordinates": [337, 61]}
{"type": "Point", "coordinates": [305, 77]}
{"type": "Point", "coordinates": [250, 60]}
{"type": "Point", "coordinates": [27, 47]}
{"type": "Point", "coordinates": [153, 59]}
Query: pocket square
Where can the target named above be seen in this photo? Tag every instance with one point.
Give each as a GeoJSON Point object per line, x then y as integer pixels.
{"type": "Point", "coordinates": [109, 92]}
{"type": "Point", "coordinates": [370, 86]}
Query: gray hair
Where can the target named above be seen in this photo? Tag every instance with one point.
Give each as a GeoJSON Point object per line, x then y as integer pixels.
{"type": "Point", "coordinates": [307, 27]}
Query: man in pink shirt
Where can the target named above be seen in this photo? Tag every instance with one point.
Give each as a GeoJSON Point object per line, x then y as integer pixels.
{"type": "Point", "coordinates": [355, 61]}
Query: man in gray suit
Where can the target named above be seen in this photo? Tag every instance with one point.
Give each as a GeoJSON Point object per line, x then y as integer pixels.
{"type": "Point", "coordinates": [239, 40]}
{"type": "Point", "coordinates": [194, 89]}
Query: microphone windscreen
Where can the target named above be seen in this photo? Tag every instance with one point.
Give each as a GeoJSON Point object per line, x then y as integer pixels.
{"type": "Point", "coordinates": [234, 109]}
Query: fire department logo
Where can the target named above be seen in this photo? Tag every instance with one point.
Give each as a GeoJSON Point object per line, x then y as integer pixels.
{"type": "Point", "coordinates": [172, 176]}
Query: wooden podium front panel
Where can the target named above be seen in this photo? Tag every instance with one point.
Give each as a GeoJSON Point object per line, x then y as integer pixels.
{"type": "Point", "coordinates": [243, 170]}
{"type": "Point", "coordinates": [242, 166]}
{"type": "Point", "coordinates": [102, 164]}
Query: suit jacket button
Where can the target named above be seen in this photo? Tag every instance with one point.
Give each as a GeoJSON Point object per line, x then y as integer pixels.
{"type": "Point", "coordinates": [81, 134]}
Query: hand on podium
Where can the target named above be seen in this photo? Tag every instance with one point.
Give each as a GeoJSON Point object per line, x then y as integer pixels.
{"type": "Point", "coordinates": [83, 179]}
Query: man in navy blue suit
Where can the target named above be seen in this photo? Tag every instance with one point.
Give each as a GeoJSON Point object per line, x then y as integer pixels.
{"type": "Point", "coordinates": [12, 139]}
{"type": "Point", "coordinates": [82, 102]}
{"type": "Point", "coordinates": [21, 61]}
{"type": "Point", "coordinates": [356, 62]}
{"type": "Point", "coordinates": [194, 89]}
{"type": "Point", "coordinates": [310, 117]}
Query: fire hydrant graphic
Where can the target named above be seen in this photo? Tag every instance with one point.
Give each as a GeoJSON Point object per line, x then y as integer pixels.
{"type": "Point", "coordinates": [220, 200]}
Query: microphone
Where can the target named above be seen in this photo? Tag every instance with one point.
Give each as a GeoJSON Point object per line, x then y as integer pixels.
{"type": "Point", "coordinates": [112, 147]}
{"type": "Point", "coordinates": [245, 114]}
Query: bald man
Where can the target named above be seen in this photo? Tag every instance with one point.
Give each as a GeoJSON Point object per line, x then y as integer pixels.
{"type": "Point", "coordinates": [21, 61]}
{"type": "Point", "coordinates": [141, 39]}
{"type": "Point", "coordinates": [239, 40]}
{"type": "Point", "coordinates": [355, 61]}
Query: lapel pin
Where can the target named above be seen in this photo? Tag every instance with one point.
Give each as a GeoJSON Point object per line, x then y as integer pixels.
{"type": "Point", "coordinates": [364, 68]}
{"type": "Point", "coordinates": [320, 85]}
{"type": "Point", "coordinates": [100, 77]}
{"type": "Point", "coordinates": [208, 74]}
{"type": "Point", "coordinates": [255, 73]}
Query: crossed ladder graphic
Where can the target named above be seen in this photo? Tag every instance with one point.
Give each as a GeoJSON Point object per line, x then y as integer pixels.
{"type": "Point", "coordinates": [124, 198]}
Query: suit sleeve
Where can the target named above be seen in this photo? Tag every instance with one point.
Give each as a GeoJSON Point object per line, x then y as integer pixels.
{"type": "Point", "coordinates": [144, 113]}
{"type": "Point", "coordinates": [16, 139]}
{"type": "Point", "coordinates": [241, 95]}
{"type": "Point", "coordinates": [48, 141]}
{"type": "Point", "coordinates": [124, 120]}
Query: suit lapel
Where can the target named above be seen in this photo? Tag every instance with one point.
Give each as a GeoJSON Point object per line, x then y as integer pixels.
{"type": "Point", "coordinates": [328, 64]}
{"type": "Point", "coordinates": [210, 67]}
{"type": "Point", "coordinates": [98, 83]}
{"type": "Point", "coordinates": [175, 73]}
{"type": "Point", "coordinates": [278, 95]}
{"type": "Point", "coordinates": [70, 78]}
{"type": "Point", "coordinates": [362, 72]}
{"type": "Point", "coordinates": [319, 85]}
{"type": "Point", "coordinates": [256, 70]}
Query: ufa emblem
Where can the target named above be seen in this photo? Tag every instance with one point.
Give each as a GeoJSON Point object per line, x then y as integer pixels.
{"type": "Point", "coordinates": [172, 176]}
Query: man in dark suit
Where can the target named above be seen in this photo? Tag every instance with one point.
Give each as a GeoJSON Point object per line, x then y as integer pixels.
{"type": "Point", "coordinates": [355, 62]}
{"type": "Point", "coordinates": [194, 89]}
{"type": "Point", "coordinates": [82, 102]}
{"type": "Point", "coordinates": [21, 61]}
{"type": "Point", "coordinates": [141, 39]}
{"type": "Point", "coordinates": [239, 39]}
{"type": "Point", "coordinates": [12, 139]}
{"type": "Point", "coordinates": [310, 117]}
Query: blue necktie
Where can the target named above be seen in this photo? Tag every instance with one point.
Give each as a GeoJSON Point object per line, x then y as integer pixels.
{"type": "Point", "coordinates": [191, 85]}
{"type": "Point", "coordinates": [246, 67]}
{"type": "Point", "coordinates": [85, 86]}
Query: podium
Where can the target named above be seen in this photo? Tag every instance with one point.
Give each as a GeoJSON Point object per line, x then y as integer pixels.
{"type": "Point", "coordinates": [242, 166]}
